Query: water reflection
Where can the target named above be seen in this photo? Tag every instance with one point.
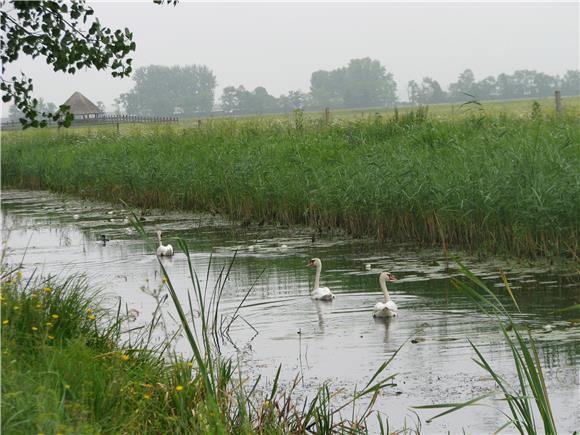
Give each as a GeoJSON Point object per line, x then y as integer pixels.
{"type": "Point", "coordinates": [339, 341]}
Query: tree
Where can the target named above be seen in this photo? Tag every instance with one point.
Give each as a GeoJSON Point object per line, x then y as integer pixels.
{"type": "Point", "coordinates": [413, 92]}
{"type": "Point", "coordinates": [571, 83]}
{"type": "Point", "coordinates": [67, 36]}
{"type": "Point", "coordinates": [162, 90]}
{"type": "Point", "coordinates": [15, 114]}
{"type": "Point", "coordinates": [101, 106]}
{"type": "Point", "coordinates": [465, 84]}
{"type": "Point", "coordinates": [430, 92]}
{"type": "Point", "coordinates": [362, 83]}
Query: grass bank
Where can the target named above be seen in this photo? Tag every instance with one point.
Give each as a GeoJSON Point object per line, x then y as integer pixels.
{"type": "Point", "coordinates": [69, 366]}
{"type": "Point", "coordinates": [481, 182]}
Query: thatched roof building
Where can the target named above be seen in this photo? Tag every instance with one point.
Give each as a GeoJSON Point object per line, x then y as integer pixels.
{"type": "Point", "coordinates": [82, 107]}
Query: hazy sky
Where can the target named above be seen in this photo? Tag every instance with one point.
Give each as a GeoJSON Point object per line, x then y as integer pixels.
{"type": "Point", "coordinates": [278, 45]}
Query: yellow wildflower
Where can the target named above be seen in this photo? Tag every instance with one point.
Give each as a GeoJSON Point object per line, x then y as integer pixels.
{"type": "Point", "coordinates": [125, 357]}
{"type": "Point", "coordinates": [16, 307]}
{"type": "Point", "coordinates": [49, 324]}
{"type": "Point", "coordinates": [39, 306]}
{"type": "Point", "coordinates": [34, 328]}
{"type": "Point", "coordinates": [50, 337]}
{"type": "Point", "coordinates": [179, 388]}
{"type": "Point", "coordinates": [91, 317]}
{"type": "Point", "coordinates": [54, 316]}
{"type": "Point", "coordinates": [189, 364]}
{"type": "Point", "coordinates": [147, 396]}
{"type": "Point", "coordinates": [164, 280]}
{"type": "Point", "coordinates": [18, 275]}
{"type": "Point", "coordinates": [66, 386]}
{"type": "Point", "coordinates": [34, 295]}
{"type": "Point", "coordinates": [5, 322]}
{"type": "Point", "coordinates": [47, 289]}
{"type": "Point", "coordinates": [89, 311]}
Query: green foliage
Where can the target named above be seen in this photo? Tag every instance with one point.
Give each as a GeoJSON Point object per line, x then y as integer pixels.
{"type": "Point", "coordinates": [362, 83]}
{"type": "Point", "coordinates": [484, 183]}
{"type": "Point", "coordinates": [160, 90]}
{"type": "Point", "coordinates": [68, 38]}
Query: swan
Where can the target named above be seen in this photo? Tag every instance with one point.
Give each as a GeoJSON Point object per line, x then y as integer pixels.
{"type": "Point", "coordinates": [368, 266]}
{"type": "Point", "coordinates": [319, 293]}
{"type": "Point", "coordinates": [387, 308]}
{"type": "Point", "coordinates": [166, 251]}
{"type": "Point", "coordinates": [76, 217]}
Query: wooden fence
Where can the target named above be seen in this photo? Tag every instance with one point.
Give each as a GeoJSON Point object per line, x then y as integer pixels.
{"type": "Point", "coordinates": [103, 120]}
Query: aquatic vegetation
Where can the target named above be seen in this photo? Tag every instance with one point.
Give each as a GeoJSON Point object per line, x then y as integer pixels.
{"type": "Point", "coordinates": [480, 182]}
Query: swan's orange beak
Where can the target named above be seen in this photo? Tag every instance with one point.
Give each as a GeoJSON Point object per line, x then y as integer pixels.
{"type": "Point", "coordinates": [392, 277]}
{"type": "Point", "coordinates": [310, 263]}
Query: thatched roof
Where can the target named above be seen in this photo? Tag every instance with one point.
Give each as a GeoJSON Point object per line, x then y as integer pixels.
{"type": "Point", "coordinates": [81, 105]}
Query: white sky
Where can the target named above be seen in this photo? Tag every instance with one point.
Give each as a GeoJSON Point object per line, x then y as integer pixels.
{"type": "Point", "coordinates": [278, 45]}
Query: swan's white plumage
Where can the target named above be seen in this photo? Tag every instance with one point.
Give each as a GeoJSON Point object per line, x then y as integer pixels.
{"type": "Point", "coordinates": [322, 294]}
{"type": "Point", "coordinates": [319, 293]}
{"type": "Point", "coordinates": [387, 308]}
{"type": "Point", "coordinates": [163, 251]}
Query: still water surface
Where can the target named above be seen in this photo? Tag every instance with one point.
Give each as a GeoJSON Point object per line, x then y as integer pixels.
{"type": "Point", "coordinates": [336, 342]}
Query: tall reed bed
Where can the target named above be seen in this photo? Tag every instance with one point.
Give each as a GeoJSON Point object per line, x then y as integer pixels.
{"type": "Point", "coordinates": [479, 182]}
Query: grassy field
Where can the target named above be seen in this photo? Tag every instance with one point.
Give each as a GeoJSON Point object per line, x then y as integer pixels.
{"type": "Point", "coordinates": [483, 181]}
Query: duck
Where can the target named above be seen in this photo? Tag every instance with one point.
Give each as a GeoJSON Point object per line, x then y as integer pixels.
{"type": "Point", "coordinates": [319, 293]}
{"type": "Point", "coordinates": [387, 308]}
{"type": "Point", "coordinates": [163, 251]}
{"type": "Point", "coordinates": [104, 239]}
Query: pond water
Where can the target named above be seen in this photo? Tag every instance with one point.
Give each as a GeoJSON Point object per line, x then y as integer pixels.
{"type": "Point", "coordinates": [337, 342]}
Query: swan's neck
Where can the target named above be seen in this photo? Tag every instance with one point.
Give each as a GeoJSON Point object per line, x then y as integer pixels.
{"type": "Point", "coordinates": [317, 278]}
{"type": "Point", "coordinates": [159, 239]}
{"type": "Point", "coordinates": [383, 283]}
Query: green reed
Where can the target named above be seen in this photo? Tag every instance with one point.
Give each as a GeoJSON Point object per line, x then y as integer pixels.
{"type": "Point", "coordinates": [496, 184]}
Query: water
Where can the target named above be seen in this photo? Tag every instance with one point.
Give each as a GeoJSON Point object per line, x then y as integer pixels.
{"type": "Point", "coordinates": [336, 342]}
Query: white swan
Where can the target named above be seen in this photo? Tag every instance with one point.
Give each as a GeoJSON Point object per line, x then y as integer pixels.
{"type": "Point", "coordinates": [387, 308]}
{"type": "Point", "coordinates": [166, 251]}
{"type": "Point", "coordinates": [319, 293]}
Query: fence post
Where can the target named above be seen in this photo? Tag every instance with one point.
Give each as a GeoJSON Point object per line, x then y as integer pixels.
{"type": "Point", "coordinates": [558, 102]}
{"type": "Point", "coordinates": [118, 127]}
{"type": "Point", "coordinates": [199, 123]}
{"type": "Point", "coordinates": [327, 116]}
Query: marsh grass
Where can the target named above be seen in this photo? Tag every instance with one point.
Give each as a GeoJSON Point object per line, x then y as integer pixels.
{"type": "Point", "coordinates": [481, 182]}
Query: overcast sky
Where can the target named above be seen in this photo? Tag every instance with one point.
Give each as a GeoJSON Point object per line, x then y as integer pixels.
{"type": "Point", "coordinates": [279, 45]}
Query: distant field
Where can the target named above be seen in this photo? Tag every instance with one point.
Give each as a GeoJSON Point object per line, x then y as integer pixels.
{"type": "Point", "coordinates": [486, 181]}
{"type": "Point", "coordinates": [521, 107]}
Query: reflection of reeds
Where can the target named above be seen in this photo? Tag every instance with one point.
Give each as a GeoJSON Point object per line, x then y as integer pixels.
{"type": "Point", "coordinates": [479, 182]}
{"type": "Point", "coordinates": [529, 397]}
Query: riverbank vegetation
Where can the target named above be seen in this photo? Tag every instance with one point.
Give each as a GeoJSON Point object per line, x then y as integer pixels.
{"type": "Point", "coordinates": [482, 182]}
{"type": "Point", "coordinates": [70, 366]}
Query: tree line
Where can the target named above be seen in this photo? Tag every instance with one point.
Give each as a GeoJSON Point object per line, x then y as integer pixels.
{"type": "Point", "coordinates": [190, 90]}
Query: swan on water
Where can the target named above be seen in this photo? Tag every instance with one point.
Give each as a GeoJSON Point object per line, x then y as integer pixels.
{"type": "Point", "coordinates": [387, 308]}
{"type": "Point", "coordinates": [76, 217]}
{"type": "Point", "coordinates": [368, 266]}
{"type": "Point", "coordinates": [166, 251]}
{"type": "Point", "coordinates": [319, 293]}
